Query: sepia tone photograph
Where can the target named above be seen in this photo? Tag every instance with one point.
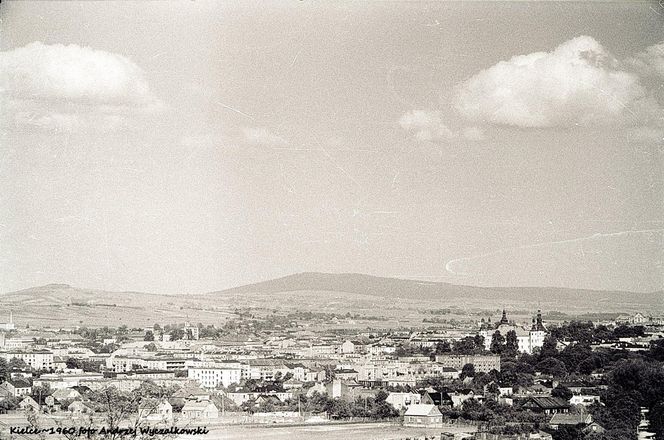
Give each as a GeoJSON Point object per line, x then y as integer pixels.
{"type": "Point", "coordinates": [335, 220]}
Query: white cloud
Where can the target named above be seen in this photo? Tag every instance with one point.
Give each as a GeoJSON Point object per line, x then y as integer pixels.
{"type": "Point", "coordinates": [426, 125]}
{"type": "Point", "coordinates": [262, 136]}
{"type": "Point", "coordinates": [72, 88]}
{"type": "Point", "coordinates": [650, 61]}
{"type": "Point", "coordinates": [578, 83]}
{"type": "Point", "coordinates": [72, 73]}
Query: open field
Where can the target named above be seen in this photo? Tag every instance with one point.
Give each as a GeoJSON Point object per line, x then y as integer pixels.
{"type": "Point", "coordinates": [354, 431]}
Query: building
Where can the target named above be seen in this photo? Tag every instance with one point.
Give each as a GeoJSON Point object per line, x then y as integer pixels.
{"type": "Point", "coordinates": [403, 400]}
{"type": "Point", "coordinates": [16, 387]}
{"type": "Point", "coordinates": [423, 415]}
{"type": "Point", "coordinates": [191, 331]}
{"type": "Point", "coordinates": [546, 405]}
{"type": "Point", "coordinates": [482, 363]}
{"type": "Point", "coordinates": [8, 326]}
{"type": "Point", "coordinates": [37, 360]}
{"type": "Point", "coordinates": [203, 409]}
{"type": "Point", "coordinates": [161, 411]}
{"type": "Point", "coordinates": [213, 377]}
{"type": "Point", "coordinates": [558, 420]}
{"type": "Point", "coordinates": [528, 339]}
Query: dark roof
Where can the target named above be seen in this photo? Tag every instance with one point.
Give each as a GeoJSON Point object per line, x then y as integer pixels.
{"type": "Point", "coordinates": [19, 383]}
{"type": "Point", "coordinates": [546, 403]}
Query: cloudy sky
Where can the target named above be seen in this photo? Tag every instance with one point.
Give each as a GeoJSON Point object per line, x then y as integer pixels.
{"type": "Point", "coordinates": [194, 146]}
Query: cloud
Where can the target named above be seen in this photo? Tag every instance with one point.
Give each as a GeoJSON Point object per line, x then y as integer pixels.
{"type": "Point", "coordinates": [428, 126]}
{"type": "Point", "coordinates": [650, 62]}
{"type": "Point", "coordinates": [578, 83]}
{"type": "Point", "coordinates": [262, 136]}
{"type": "Point", "coordinates": [72, 88]}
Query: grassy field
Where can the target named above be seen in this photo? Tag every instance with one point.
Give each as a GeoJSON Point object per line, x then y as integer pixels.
{"type": "Point", "coordinates": [354, 431]}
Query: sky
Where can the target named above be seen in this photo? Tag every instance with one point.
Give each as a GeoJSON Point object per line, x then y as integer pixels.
{"type": "Point", "coordinates": [179, 147]}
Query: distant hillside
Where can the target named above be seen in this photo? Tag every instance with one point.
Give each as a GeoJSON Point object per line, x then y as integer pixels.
{"type": "Point", "coordinates": [61, 305]}
{"type": "Point", "coordinates": [436, 291]}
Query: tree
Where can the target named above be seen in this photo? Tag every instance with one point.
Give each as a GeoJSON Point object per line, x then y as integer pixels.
{"type": "Point", "coordinates": [4, 370]}
{"type": "Point", "coordinates": [549, 347]}
{"type": "Point", "coordinates": [149, 336]}
{"type": "Point", "coordinates": [511, 344]}
{"type": "Point", "coordinates": [176, 334]}
{"type": "Point", "coordinates": [468, 370]}
{"type": "Point", "coordinates": [18, 364]}
{"type": "Point", "coordinates": [562, 392]}
{"type": "Point", "coordinates": [443, 347]}
{"type": "Point", "coordinates": [73, 363]}
{"type": "Point", "coordinates": [552, 366]}
{"type": "Point", "coordinates": [497, 343]}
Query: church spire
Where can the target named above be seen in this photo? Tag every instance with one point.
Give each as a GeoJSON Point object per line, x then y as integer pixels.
{"type": "Point", "coordinates": [503, 320]}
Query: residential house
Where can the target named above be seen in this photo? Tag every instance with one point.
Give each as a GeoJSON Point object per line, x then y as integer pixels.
{"type": "Point", "coordinates": [17, 387]}
{"type": "Point", "coordinates": [154, 410]}
{"type": "Point", "coordinates": [78, 407]}
{"type": "Point", "coordinates": [200, 409]}
{"type": "Point", "coordinates": [546, 405]}
{"type": "Point", "coordinates": [29, 404]}
{"type": "Point", "coordinates": [423, 415]}
{"type": "Point", "coordinates": [558, 420]}
{"type": "Point", "coordinates": [402, 401]}
{"type": "Point", "coordinates": [584, 399]}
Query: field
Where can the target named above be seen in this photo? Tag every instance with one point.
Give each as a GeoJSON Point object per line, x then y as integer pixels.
{"type": "Point", "coordinates": [354, 431]}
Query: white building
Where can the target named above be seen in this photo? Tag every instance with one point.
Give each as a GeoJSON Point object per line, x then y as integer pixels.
{"type": "Point", "coordinates": [38, 360]}
{"type": "Point", "coordinates": [212, 377]}
{"type": "Point", "coordinates": [403, 400]}
{"type": "Point", "coordinates": [528, 340]}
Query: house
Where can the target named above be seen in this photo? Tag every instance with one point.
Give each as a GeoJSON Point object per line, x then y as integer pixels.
{"type": "Point", "coordinates": [77, 408]}
{"type": "Point", "coordinates": [593, 428]}
{"type": "Point", "coordinates": [347, 347]}
{"type": "Point", "coordinates": [403, 400]}
{"type": "Point", "coordinates": [423, 415]}
{"type": "Point", "coordinates": [458, 397]}
{"type": "Point", "coordinates": [189, 392]}
{"type": "Point", "coordinates": [17, 387]}
{"type": "Point", "coordinates": [346, 374]}
{"type": "Point", "coordinates": [546, 405]}
{"type": "Point", "coordinates": [52, 403]}
{"type": "Point", "coordinates": [558, 420]}
{"type": "Point", "coordinates": [203, 409]}
{"type": "Point", "coordinates": [156, 410]}
{"type": "Point", "coordinates": [438, 398]}
{"type": "Point", "coordinates": [29, 404]}
{"type": "Point", "coordinates": [66, 394]}
{"type": "Point", "coordinates": [584, 399]}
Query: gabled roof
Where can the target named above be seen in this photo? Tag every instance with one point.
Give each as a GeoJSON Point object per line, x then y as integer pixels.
{"type": "Point", "coordinates": [571, 419]}
{"type": "Point", "coordinates": [546, 402]}
{"type": "Point", "coordinates": [197, 405]}
{"type": "Point", "coordinates": [19, 383]}
{"type": "Point", "coordinates": [423, 410]}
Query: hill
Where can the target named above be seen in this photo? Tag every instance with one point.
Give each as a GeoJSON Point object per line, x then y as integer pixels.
{"type": "Point", "coordinates": [449, 294]}
{"type": "Point", "coordinates": [403, 300]}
